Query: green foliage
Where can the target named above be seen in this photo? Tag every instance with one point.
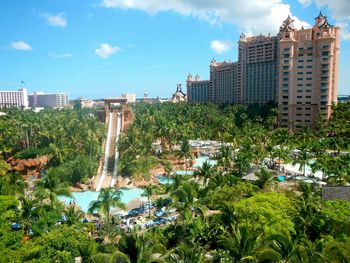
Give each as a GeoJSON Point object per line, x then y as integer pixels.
{"type": "Point", "coordinates": [272, 212]}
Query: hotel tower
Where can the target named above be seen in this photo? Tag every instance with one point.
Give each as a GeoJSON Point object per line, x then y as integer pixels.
{"type": "Point", "coordinates": [298, 69]}
{"type": "Point", "coordinates": [308, 72]}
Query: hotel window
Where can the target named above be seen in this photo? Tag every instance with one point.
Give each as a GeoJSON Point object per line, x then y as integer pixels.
{"type": "Point", "coordinates": [325, 53]}
{"type": "Point", "coordinates": [300, 85]}
{"type": "Point", "coordinates": [308, 97]}
{"type": "Point", "coordinates": [308, 73]}
{"type": "Point", "coordinates": [309, 60]}
{"type": "Point", "coordinates": [310, 66]}
{"type": "Point", "coordinates": [308, 102]}
{"type": "Point", "coordinates": [301, 55]}
{"type": "Point", "coordinates": [300, 78]}
{"type": "Point", "coordinates": [299, 102]}
{"type": "Point", "coordinates": [299, 97]}
{"type": "Point", "coordinates": [286, 49]}
{"type": "Point", "coordinates": [299, 90]}
{"type": "Point", "coordinates": [300, 60]}
{"type": "Point", "coordinates": [308, 78]}
{"type": "Point", "coordinates": [308, 85]}
{"type": "Point", "coordinates": [299, 114]}
{"type": "Point", "coordinates": [286, 55]}
{"type": "Point", "coordinates": [299, 108]}
{"type": "Point", "coordinates": [307, 114]}
{"type": "Point", "coordinates": [308, 90]}
{"type": "Point", "coordinates": [300, 66]}
{"type": "Point", "coordinates": [309, 48]}
{"type": "Point", "coordinates": [300, 73]}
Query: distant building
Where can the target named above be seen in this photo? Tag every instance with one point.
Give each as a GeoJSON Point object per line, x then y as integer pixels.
{"type": "Point", "coordinates": [131, 97]}
{"type": "Point", "coordinates": [178, 96]}
{"type": "Point", "coordinates": [54, 100]}
{"type": "Point", "coordinates": [343, 98]}
{"type": "Point", "coordinates": [17, 99]}
{"type": "Point", "coordinates": [223, 82]}
{"type": "Point", "coordinates": [197, 90]}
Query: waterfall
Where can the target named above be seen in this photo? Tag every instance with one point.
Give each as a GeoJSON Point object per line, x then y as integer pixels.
{"type": "Point", "coordinates": [105, 163]}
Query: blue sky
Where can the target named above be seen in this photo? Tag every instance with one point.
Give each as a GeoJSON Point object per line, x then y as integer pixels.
{"type": "Point", "coordinates": [103, 48]}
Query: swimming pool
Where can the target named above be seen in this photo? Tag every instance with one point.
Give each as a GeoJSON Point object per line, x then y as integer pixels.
{"type": "Point", "coordinates": [183, 172]}
{"type": "Point", "coordinates": [201, 159]}
{"type": "Point", "coordinates": [83, 199]}
{"type": "Point", "coordinates": [165, 180]}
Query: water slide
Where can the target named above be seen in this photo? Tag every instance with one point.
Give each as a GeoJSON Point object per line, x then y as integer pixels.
{"type": "Point", "coordinates": [107, 150]}
{"type": "Point", "coordinates": [116, 154]}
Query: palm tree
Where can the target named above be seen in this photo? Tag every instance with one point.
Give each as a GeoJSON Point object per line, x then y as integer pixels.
{"type": "Point", "coordinates": [228, 216]}
{"type": "Point", "coordinates": [242, 242]}
{"type": "Point", "coordinates": [50, 187]}
{"type": "Point", "coordinates": [141, 248]}
{"type": "Point", "coordinates": [29, 211]}
{"type": "Point", "coordinates": [73, 216]}
{"type": "Point", "coordinates": [185, 152]}
{"type": "Point", "coordinates": [206, 172]}
{"type": "Point", "coordinates": [280, 248]}
{"type": "Point", "coordinates": [150, 190]}
{"type": "Point", "coordinates": [265, 177]}
{"type": "Point", "coordinates": [224, 157]}
{"type": "Point", "coordinates": [185, 253]}
{"type": "Point", "coordinates": [107, 199]}
{"type": "Point", "coordinates": [302, 159]}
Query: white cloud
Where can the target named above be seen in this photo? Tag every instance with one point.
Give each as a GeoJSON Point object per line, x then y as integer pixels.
{"type": "Point", "coordinates": [105, 50]}
{"type": "Point", "coordinates": [20, 45]}
{"type": "Point", "coordinates": [59, 19]}
{"type": "Point", "coordinates": [220, 46]}
{"type": "Point", "coordinates": [252, 17]}
{"type": "Point", "coordinates": [65, 55]}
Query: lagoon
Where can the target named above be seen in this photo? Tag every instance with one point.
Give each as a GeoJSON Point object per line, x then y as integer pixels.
{"type": "Point", "coordinates": [83, 199]}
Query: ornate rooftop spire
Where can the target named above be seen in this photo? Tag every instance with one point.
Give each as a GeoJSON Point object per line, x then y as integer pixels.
{"type": "Point", "coordinates": [287, 25]}
{"type": "Point", "coordinates": [321, 21]}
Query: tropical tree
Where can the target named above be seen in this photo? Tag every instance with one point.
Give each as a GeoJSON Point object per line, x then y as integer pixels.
{"type": "Point", "coordinates": [106, 200]}
{"type": "Point", "coordinates": [149, 191]}
{"type": "Point", "coordinates": [205, 172]}
{"type": "Point", "coordinates": [265, 177]}
{"type": "Point", "coordinates": [185, 152]}
{"type": "Point", "coordinates": [242, 242]}
{"type": "Point", "coordinates": [302, 159]}
{"type": "Point", "coordinates": [50, 187]}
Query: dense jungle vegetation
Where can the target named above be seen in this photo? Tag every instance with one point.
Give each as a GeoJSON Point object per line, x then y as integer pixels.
{"type": "Point", "coordinates": [221, 217]}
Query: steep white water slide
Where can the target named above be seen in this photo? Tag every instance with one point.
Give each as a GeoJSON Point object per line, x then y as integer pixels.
{"type": "Point", "coordinates": [109, 170]}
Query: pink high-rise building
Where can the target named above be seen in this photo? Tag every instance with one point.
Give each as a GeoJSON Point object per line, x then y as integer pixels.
{"type": "Point", "coordinates": [308, 72]}
{"type": "Point", "coordinates": [297, 68]}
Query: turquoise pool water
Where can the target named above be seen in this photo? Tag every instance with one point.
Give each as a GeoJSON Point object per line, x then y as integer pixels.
{"type": "Point", "coordinates": [165, 180]}
{"type": "Point", "coordinates": [183, 172]}
{"type": "Point", "coordinates": [201, 159]}
{"type": "Point", "coordinates": [83, 199]}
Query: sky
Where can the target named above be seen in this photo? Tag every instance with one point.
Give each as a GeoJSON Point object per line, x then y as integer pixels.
{"type": "Point", "coordinates": [103, 48]}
